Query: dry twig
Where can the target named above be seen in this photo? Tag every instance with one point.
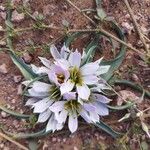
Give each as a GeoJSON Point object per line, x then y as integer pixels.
{"type": "Point", "coordinates": [104, 31]}
{"type": "Point", "coordinates": [136, 25]}
{"type": "Point", "coordinates": [13, 141]}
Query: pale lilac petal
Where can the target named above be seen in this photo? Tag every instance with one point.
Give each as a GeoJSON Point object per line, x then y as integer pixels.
{"type": "Point", "coordinates": [101, 109]}
{"type": "Point", "coordinates": [59, 126]}
{"type": "Point", "coordinates": [40, 70]}
{"type": "Point", "coordinates": [27, 82]}
{"type": "Point", "coordinates": [73, 123]}
{"type": "Point", "coordinates": [102, 70]}
{"type": "Point", "coordinates": [41, 86]}
{"type": "Point", "coordinates": [99, 87]}
{"type": "Point", "coordinates": [90, 79]}
{"type": "Point", "coordinates": [53, 78]}
{"type": "Point", "coordinates": [42, 105]}
{"type": "Point", "coordinates": [33, 93]}
{"type": "Point", "coordinates": [45, 62]}
{"type": "Point", "coordinates": [31, 101]}
{"type": "Point", "coordinates": [51, 125]}
{"type": "Point", "coordinates": [58, 70]}
{"type": "Point", "coordinates": [85, 116]}
{"type": "Point", "coordinates": [44, 116]}
{"type": "Point", "coordinates": [64, 52]}
{"type": "Point", "coordinates": [57, 106]}
{"type": "Point", "coordinates": [62, 63]}
{"type": "Point", "coordinates": [83, 91]}
{"type": "Point", "coordinates": [75, 58]}
{"type": "Point", "coordinates": [54, 52]}
{"type": "Point", "coordinates": [89, 107]}
{"type": "Point", "coordinates": [89, 69]}
{"type": "Point", "coordinates": [66, 87]}
{"type": "Point", "coordinates": [62, 116]}
{"type": "Point", "coordinates": [94, 116]}
{"type": "Point", "coordinates": [69, 95]}
{"type": "Point", "coordinates": [101, 98]}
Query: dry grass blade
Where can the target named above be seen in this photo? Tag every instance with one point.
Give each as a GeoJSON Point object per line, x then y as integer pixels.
{"type": "Point", "coordinates": [13, 141]}
{"type": "Point", "coordinates": [136, 25]}
{"type": "Point", "coordinates": [104, 31]}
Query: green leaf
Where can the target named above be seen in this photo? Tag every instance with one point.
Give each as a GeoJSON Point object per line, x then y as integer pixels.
{"type": "Point", "coordinates": [72, 37]}
{"type": "Point", "coordinates": [13, 113]}
{"type": "Point", "coordinates": [24, 68]}
{"type": "Point", "coordinates": [88, 56]}
{"type": "Point", "coordinates": [101, 13]}
{"type": "Point", "coordinates": [132, 85]}
{"type": "Point", "coordinates": [126, 106]}
{"type": "Point", "coordinates": [27, 135]}
{"type": "Point", "coordinates": [33, 144]}
{"type": "Point", "coordinates": [108, 129]}
{"type": "Point", "coordinates": [116, 62]}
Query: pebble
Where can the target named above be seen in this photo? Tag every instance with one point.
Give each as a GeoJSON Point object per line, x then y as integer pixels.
{"type": "Point", "coordinates": [19, 89]}
{"type": "Point", "coordinates": [17, 17]}
{"type": "Point", "coordinates": [2, 43]}
{"type": "Point", "coordinates": [2, 145]}
{"type": "Point", "coordinates": [135, 78]}
{"type": "Point", "coordinates": [75, 148]}
{"type": "Point", "coordinates": [3, 68]}
{"type": "Point", "coordinates": [54, 139]}
{"type": "Point", "coordinates": [4, 114]}
{"type": "Point", "coordinates": [17, 78]}
{"type": "Point", "coordinates": [27, 57]}
{"type": "Point", "coordinates": [2, 8]}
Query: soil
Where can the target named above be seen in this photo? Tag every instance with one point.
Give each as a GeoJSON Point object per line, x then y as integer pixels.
{"type": "Point", "coordinates": [133, 68]}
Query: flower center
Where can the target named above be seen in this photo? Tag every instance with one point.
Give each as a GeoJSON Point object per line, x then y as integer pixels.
{"type": "Point", "coordinates": [55, 93]}
{"type": "Point", "coordinates": [75, 75]}
{"type": "Point", "coordinates": [60, 78]}
{"type": "Point", "coordinates": [73, 106]}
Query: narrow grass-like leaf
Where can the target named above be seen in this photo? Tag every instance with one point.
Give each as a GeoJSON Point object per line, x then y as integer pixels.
{"type": "Point", "coordinates": [132, 85]}
{"type": "Point", "coordinates": [108, 129]}
{"type": "Point", "coordinates": [115, 63]}
{"type": "Point", "coordinates": [24, 68]}
{"type": "Point", "coordinates": [126, 106]}
{"type": "Point", "coordinates": [15, 114]}
{"type": "Point", "coordinates": [27, 135]}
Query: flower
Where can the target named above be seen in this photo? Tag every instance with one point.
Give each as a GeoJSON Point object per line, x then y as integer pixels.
{"type": "Point", "coordinates": [72, 90]}
{"type": "Point", "coordinates": [81, 76]}
{"type": "Point", "coordinates": [89, 111]}
{"type": "Point", "coordinates": [42, 96]}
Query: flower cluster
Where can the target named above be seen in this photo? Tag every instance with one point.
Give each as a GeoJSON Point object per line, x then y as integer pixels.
{"type": "Point", "coordinates": [74, 89]}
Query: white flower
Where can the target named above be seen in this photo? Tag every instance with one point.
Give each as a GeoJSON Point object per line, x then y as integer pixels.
{"type": "Point", "coordinates": [81, 77]}
{"type": "Point", "coordinates": [43, 95]}
{"type": "Point", "coordinates": [89, 111]}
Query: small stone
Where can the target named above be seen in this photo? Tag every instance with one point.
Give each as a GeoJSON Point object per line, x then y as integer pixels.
{"type": "Point", "coordinates": [3, 15]}
{"type": "Point", "coordinates": [75, 148]}
{"type": "Point", "coordinates": [3, 114]}
{"type": "Point", "coordinates": [1, 28]}
{"type": "Point", "coordinates": [19, 89]}
{"type": "Point", "coordinates": [54, 139]}
{"type": "Point", "coordinates": [64, 140]}
{"type": "Point", "coordinates": [2, 43]}
{"type": "Point", "coordinates": [59, 140]}
{"type": "Point", "coordinates": [27, 57]}
{"type": "Point", "coordinates": [3, 68]}
{"type": "Point", "coordinates": [13, 101]}
{"type": "Point", "coordinates": [135, 78]}
{"type": "Point", "coordinates": [17, 17]}
{"type": "Point", "coordinates": [17, 78]}
{"type": "Point", "coordinates": [2, 8]}
{"type": "Point", "coordinates": [127, 27]}
{"type": "Point", "coordinates": [2, 145]}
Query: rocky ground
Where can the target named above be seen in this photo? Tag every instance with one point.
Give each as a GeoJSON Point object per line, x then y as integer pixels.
{"type": "Point", "coordinates": [133, 68]}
